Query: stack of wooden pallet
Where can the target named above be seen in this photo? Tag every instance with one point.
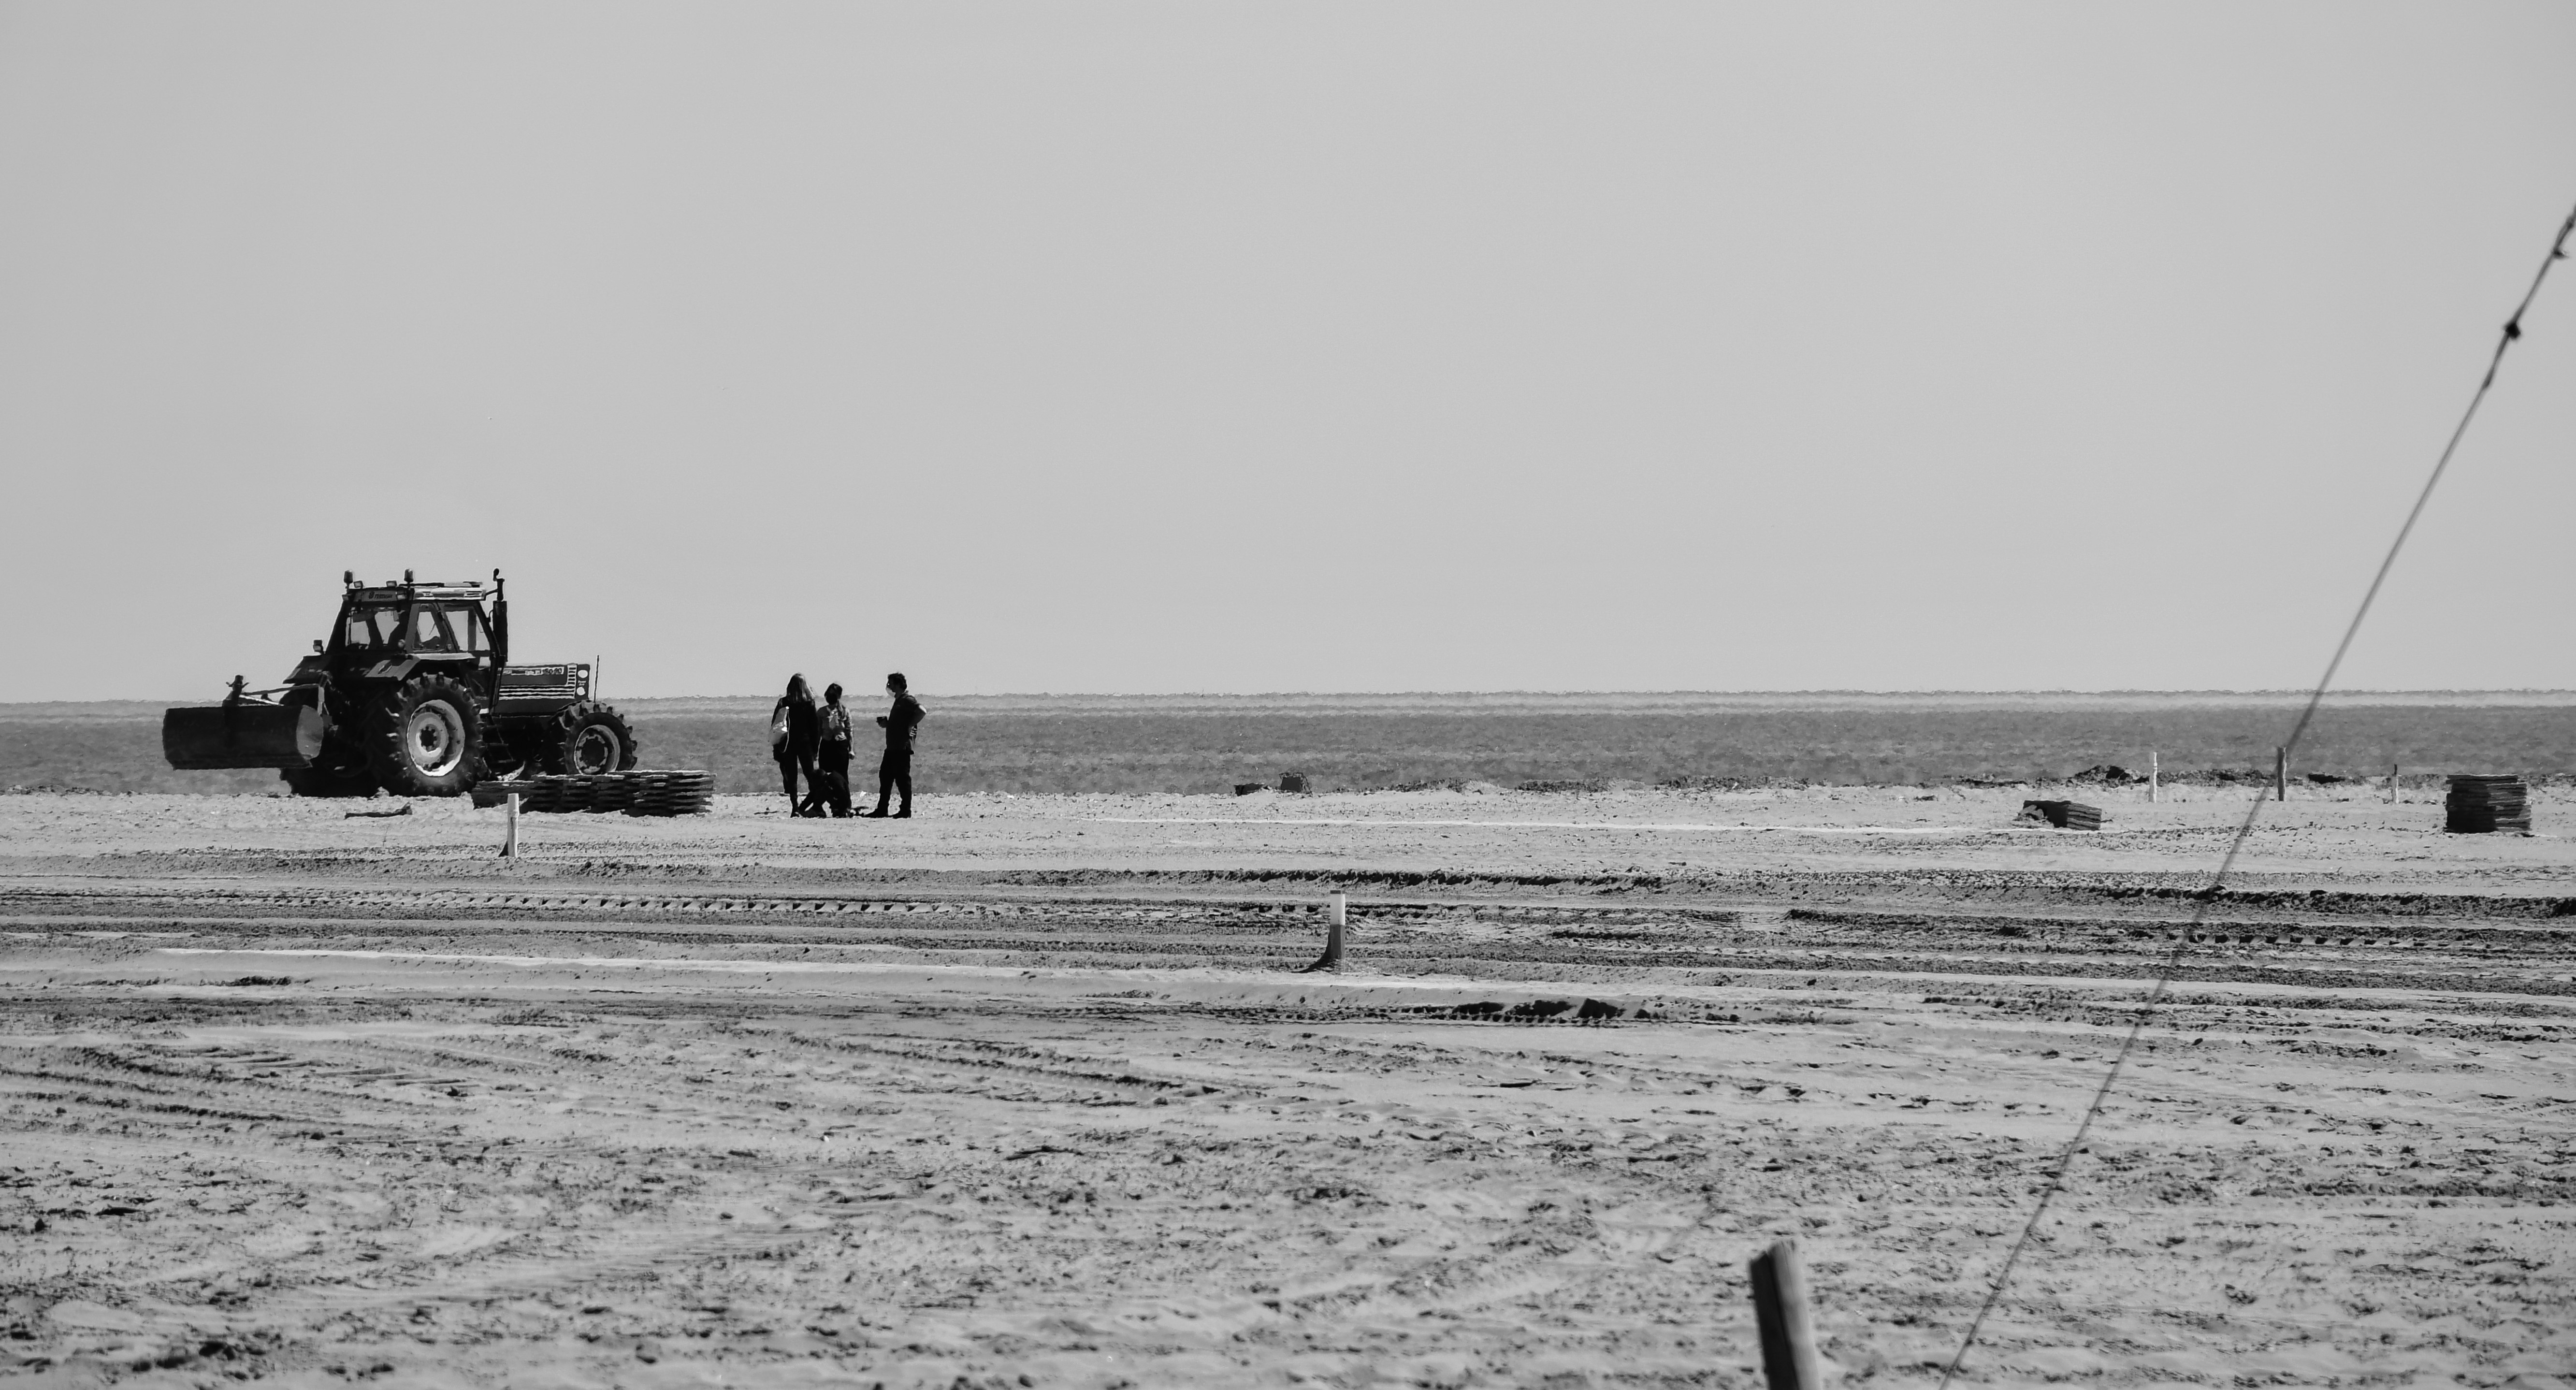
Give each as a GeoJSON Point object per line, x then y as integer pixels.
{"type": "Point", "coordinates": [2484, 803]}
{"type": "Point", "coordinates": [635, 793]}
{"type": "Point", "coordinates": [671, 793]}
{"type": "Point", "coordinates": [2065, 815]}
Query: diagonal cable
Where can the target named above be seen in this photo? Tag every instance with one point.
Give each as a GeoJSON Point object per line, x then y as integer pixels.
{"type": "Point", "coordinates": [2245, 828]}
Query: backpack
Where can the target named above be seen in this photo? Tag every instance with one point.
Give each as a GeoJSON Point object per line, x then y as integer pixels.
{"type": "Point", "coordinates": [836, 725]}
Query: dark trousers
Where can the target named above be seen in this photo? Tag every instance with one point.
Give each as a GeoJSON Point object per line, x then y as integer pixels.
{"type": "Point", "coordinates": [789, 764]}
{"type": "Point", "coordinates": [835, 787]}
{"type": "Point", "coordinates": [894, 773]}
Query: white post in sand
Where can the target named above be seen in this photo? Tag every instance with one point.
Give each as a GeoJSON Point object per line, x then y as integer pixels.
{"type": "Point", "coordinates": [510, 841]}
{"type": "Point", "coordinates": [1340, 912]}
{"type": "Point", "coordinates": [1780, 1318]}
{"type": "Point", "coordinates": [2392, 784]}
{"type": "Point", "coordinates": [2153, 793]}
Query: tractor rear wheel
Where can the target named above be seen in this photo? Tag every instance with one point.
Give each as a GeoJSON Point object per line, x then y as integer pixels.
{"type": "Point", "coordinates": [424, 738]}
{"type": "Point", "coordinates": [592, 738]}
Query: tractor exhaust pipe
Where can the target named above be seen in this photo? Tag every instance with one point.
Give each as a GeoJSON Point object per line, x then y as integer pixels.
{"type": "Point", "coordinates": [500, 622]}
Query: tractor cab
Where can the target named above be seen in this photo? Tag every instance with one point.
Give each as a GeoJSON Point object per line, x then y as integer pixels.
{"type": "Point", "coordinates": [447, 627]}
{"type": "Point", "coordinates": [385, 632]}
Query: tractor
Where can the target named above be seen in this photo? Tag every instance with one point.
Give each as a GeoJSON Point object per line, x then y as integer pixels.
{"type": "Point", "coordinates": [413, 692]}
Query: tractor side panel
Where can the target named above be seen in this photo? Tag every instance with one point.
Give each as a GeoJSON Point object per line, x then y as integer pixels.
{"type": "Point", "coordinates": [540, 690]}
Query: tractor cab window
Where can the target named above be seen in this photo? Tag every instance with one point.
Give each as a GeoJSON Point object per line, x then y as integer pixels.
{"type": "Point", "coordinates": [421, 628]}
{"type": "Point", "coordinates": [374, 627]}
{"type": "Point", "coordinates": [428, 633]}
{"type": "Point", "coordinates": [447, 628]}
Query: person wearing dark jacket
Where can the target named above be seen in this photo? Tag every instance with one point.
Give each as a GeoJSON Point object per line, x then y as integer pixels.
{"type": "Point", "coordinates": [894, 770]}
{"type": "Point", "coordinates": [794, 732]}
{"type": "Point", "coordinates": [834, 752]}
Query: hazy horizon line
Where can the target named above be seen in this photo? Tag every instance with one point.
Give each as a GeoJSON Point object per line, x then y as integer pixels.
{"type": "Point", "coordinates": [2205, 692]}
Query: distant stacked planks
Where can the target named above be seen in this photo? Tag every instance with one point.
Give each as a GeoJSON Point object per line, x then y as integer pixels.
{"type": "Point", "coordinates": [635, 793]}
{"type": "Point", "coordinates": [2484, 803]}
{"type": "Point", "coordinates": [614, 791]}
{"type": "Point", "coordinates": [2065, 815]}
{"type": "Point", "coordinates": [671, 793]}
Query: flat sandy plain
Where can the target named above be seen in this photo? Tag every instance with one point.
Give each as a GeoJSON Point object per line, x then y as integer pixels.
{"type": "Point", "coordinates": [1029, 1091]}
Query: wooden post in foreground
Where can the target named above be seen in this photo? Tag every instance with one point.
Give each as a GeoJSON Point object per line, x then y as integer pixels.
{"type": "Point", "coordinates": [1780, 1309]}
{"type": "Point", "coordinates": [2154, 793]}
{"type": "Point", "coordinates": [2280, 774]}
{"type": "Point", "coordinates": [510, 840]}
{"type": "Point", "coordinates": [2392, 784]}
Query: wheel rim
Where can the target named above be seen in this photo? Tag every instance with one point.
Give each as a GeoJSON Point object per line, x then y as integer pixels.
{"type": "Point", "coordinates": [434, 736]}
{"type": "Point", "coordinates": [594, 749]}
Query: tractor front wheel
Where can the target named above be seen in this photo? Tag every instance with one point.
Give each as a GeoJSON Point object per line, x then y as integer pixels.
{"type": "Point", "coordinates": [424, 738]}
{"type": "Point", "coordinates": [592, 738]}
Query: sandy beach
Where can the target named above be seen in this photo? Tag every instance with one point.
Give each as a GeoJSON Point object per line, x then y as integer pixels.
{"type": "Point", "coordinates": [1030, 1090]}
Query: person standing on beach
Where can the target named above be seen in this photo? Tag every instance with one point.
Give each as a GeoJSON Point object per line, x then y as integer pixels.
{"type": "Point", "coordinates": [894, 771]}
{"type": "Point", "coordinates": [792, 735]}
{"type": "Point", "coordinates": [834, 752]}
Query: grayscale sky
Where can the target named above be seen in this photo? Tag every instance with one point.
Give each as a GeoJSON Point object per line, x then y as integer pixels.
{"type": "Point", "coordinates": [1245, 347]}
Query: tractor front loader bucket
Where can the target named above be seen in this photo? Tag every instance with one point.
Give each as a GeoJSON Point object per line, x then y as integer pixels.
{"type": "Point", "coordinates": [204, 737]}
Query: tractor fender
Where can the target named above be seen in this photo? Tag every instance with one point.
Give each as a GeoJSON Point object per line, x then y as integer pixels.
{"type": "Point", "coordinates": [392, 668]}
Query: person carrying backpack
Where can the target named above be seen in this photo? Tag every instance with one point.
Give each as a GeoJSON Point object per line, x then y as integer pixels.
{"type": "Point", "coordinates": [833, 752]}
{"type": "Point", "coordinates": [793, 730]}
{"type": "Point", "coordinates": [894, 771]}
